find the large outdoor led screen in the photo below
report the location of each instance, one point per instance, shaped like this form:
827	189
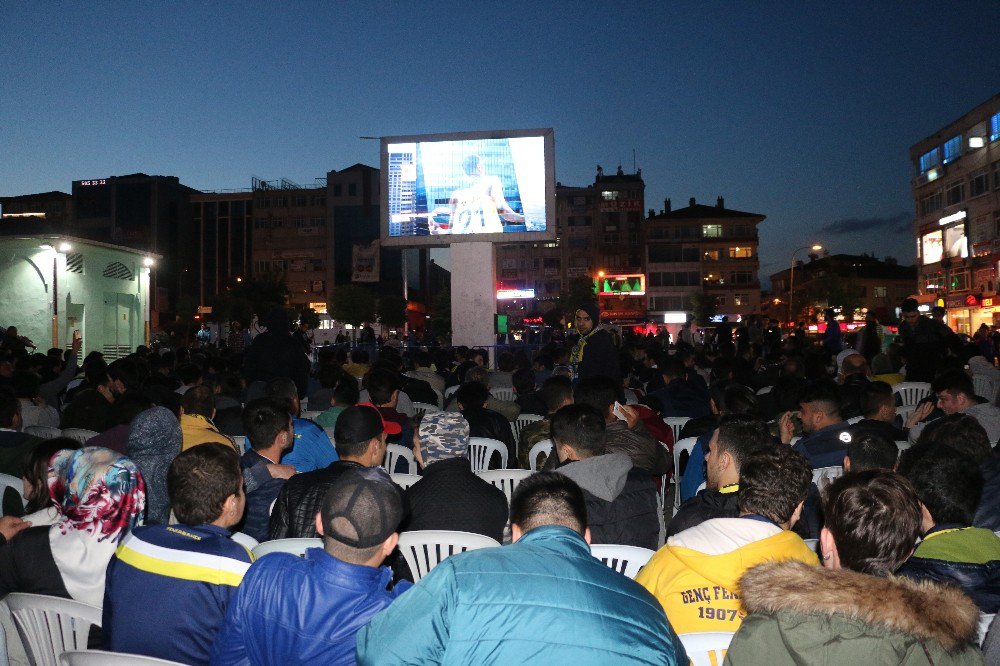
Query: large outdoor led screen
932	247
955	242
475	186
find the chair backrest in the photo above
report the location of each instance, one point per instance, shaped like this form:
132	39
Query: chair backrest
812	543
902	413
985	620
291	546
824	475
985	387
481	449
676	424
404	481
706	648
241	443
245	540
544	446
15	484
910	393
686	444
393	452
902	445
503	394
854	419
49	626
625	560
521	421
98	658
505	479
79	434
448	392
43	432
421	408
425	549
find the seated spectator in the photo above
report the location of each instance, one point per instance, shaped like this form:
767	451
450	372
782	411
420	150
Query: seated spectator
345	394
570	607
737	436
127	407
100	498
197	412
153	442
312	448
502	377
870	451
851	380
629	437
679	397
826	434
622	505
423	369
508	408
383	391
713	555
949	487
877	404
483	422
959	432
854	611
557	392
190	570
40	508
189	375
358	367
14	444
360	436
270	435
91	407
294	610
34	410
527	398
328	375
228	400
955	394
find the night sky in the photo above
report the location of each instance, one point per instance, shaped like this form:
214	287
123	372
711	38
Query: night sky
804	114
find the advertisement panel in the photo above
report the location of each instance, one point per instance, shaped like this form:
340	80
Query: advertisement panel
364	262
932	247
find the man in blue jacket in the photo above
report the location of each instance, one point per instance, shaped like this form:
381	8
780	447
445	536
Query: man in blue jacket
294	610
544	599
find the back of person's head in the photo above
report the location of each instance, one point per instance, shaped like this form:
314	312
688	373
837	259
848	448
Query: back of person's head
10	408
742	435
872	451
556	391
359	356
670	367
422	359
381	385
580	427
264	419
188	373
523	380
773	482
198	400
472	395
949	485
956	382
25	384
477	373
960	432
854	364
874	519
96	373
548	498
823	395
35	471
200	480
231	384
732	398
505	362
544	360
479	355
283	388
129	405
346	392
598	392
360	511
874	396
355	428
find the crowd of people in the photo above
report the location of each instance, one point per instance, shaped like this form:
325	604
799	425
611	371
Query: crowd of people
813	522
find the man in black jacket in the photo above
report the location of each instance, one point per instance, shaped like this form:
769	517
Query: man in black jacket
737	436
471	398
276	354
621	499
594	354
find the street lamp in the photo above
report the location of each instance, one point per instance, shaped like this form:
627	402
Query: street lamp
791	277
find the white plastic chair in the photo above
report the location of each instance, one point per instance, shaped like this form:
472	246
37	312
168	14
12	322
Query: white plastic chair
425	549
825	475
241	443
902	445
393	452
505	479
812	543
503	394
79	434
521	421
15	484
985	388
98	658
910	393
404	481
245	540
706	648
766	389
903	413
625	560
49	626
686	444
421	408
544	446
450	391
985	620
290	546
481	450
43	432
854	419
793	441
676	424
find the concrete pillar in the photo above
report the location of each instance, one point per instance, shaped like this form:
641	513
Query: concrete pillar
473	295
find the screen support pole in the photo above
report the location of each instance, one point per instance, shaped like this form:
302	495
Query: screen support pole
473	296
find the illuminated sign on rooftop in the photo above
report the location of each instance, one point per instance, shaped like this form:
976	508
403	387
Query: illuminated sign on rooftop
621	285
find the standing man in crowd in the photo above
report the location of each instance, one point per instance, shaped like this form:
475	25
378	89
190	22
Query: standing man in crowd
594	354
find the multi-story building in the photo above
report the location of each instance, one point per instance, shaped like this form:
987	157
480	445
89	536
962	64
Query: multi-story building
222	226
710	250
956	194
55	208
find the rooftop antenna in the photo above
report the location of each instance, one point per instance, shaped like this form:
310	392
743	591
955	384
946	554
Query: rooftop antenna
633	161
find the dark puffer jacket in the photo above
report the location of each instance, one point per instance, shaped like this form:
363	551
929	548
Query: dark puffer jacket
706	505
967	557
294	513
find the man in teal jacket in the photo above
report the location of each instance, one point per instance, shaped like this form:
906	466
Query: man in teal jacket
544	599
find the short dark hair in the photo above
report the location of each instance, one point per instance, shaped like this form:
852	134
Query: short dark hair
954	382
824	392
505	362
472	395
25	384
732	398
580	427
671	366
555	391
874	518
422	359
773	481
869	450
949	485
35	469
960	432
199	481
381	384
264	419
346	392
873	396
523	380
548	498
359	356
599	392
188	373
10	407
198	400
741	435
283	388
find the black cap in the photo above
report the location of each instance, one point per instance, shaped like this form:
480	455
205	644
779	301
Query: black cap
360	423
362	507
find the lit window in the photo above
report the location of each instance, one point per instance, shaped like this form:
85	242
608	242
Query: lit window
929	160
740	253
995	127
609	196
711	230
952	149
711	255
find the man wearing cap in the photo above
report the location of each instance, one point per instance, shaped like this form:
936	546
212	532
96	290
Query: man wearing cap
308	610
360	435
595	353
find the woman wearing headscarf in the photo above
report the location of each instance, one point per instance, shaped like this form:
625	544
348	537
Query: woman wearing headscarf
153	443
100	496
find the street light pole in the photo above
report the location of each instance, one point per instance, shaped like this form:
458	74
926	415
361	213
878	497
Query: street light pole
791	277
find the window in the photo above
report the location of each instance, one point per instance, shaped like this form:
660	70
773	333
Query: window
264	203
337	190
550	262
300	201
995	127
714	278
979	183
996	175
878	291
668	303
720	300
953	149
741	299
954	194
711	230
931	203
741	230
710	255
959	281
579	242
740	253
281	202
579	262
609	196
579	220
929	160
741	277
612	238
352	189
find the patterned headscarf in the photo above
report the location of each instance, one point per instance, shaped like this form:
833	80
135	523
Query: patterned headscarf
443	435
154	440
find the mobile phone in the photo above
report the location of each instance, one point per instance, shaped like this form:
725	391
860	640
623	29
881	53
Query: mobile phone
76	334
618	411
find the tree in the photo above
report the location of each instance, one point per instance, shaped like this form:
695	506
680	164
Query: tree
351	304
243	300
308	316
391	310
578	290
703	307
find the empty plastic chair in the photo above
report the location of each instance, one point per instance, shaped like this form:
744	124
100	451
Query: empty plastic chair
425	549
404	481
854	419
395	452
49	626
544	446
241	443
79	434
985	388
98	658
706	648
625	560
481	450
503	394
505	479
812	543
43	432
15	484
290	546
310	415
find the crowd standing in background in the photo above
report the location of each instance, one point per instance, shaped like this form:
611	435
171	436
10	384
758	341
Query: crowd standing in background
787	490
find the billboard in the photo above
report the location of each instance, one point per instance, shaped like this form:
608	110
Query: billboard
621	285
512	294
932	247
438	189
364	262
956	243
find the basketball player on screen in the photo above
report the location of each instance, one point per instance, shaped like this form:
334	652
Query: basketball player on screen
476	208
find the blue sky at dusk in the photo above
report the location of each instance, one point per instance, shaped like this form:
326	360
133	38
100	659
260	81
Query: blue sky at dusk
802	113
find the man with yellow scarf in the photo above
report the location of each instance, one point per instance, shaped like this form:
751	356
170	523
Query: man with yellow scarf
595	353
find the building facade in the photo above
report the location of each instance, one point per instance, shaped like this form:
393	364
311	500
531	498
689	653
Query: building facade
956	196
54	208
222	223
